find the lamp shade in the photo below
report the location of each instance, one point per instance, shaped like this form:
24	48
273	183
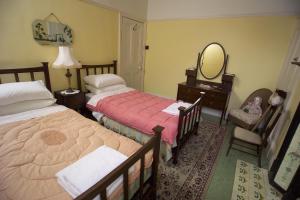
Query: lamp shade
65	59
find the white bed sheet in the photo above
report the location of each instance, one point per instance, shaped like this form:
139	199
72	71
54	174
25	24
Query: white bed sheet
31	114
97	97
97	115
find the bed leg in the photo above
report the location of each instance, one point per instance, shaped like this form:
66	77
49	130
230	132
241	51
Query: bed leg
154	194
158	130
196	128
175	155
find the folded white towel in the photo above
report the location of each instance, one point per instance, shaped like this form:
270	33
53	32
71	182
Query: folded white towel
173	108
87	171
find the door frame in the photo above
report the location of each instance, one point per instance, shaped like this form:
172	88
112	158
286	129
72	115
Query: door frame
121	16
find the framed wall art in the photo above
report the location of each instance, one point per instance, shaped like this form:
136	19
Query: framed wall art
52	33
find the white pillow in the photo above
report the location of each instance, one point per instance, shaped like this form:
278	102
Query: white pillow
105	89
103	80
92	89
25	106
22	91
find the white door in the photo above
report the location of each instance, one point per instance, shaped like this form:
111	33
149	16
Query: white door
132	53
288	81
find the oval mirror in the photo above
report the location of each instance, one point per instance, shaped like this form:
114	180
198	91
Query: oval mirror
212	60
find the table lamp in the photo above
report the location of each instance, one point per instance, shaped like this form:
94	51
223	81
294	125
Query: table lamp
66	60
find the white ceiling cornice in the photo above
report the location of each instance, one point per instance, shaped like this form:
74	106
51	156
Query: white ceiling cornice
194	9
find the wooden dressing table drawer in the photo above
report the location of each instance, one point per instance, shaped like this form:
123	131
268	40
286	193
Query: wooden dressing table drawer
187	94
215	98
214	104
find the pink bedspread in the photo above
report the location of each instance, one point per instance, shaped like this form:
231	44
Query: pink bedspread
140	111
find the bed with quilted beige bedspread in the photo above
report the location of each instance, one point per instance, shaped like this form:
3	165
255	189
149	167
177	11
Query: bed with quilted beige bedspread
33	151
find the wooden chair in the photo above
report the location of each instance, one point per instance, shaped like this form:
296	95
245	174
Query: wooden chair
258	140
265	94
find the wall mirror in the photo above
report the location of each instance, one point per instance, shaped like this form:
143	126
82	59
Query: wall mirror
212	60
52	33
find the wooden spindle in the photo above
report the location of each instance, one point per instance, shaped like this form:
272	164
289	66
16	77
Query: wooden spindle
192	119
194	116
32	76
17	77
142	177
125	185
115	66
103	195
184	121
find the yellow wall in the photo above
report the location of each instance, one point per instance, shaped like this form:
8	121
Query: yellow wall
95	33
257	47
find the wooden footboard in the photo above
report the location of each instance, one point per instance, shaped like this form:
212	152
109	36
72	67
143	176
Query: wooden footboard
145	187
189	119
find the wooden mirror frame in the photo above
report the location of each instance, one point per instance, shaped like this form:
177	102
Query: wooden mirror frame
199	66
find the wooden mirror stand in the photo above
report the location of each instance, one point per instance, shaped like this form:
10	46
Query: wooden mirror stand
217	94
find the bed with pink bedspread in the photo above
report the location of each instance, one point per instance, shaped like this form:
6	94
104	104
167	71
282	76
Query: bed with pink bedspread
142	111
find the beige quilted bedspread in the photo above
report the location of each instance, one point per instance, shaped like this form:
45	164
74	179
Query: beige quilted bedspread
33	151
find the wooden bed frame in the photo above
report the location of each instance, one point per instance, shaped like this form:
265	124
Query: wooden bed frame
31	70
146	187
188	118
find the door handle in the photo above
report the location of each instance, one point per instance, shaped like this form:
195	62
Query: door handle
296	62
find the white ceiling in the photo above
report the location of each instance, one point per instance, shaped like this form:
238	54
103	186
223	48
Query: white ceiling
186	9
132	8
190	9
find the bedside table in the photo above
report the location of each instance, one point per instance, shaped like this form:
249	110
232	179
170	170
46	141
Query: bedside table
73	101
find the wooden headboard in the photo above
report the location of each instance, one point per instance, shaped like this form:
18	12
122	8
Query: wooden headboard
31	70
104	68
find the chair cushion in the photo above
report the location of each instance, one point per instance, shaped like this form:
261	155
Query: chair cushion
247	136
245	117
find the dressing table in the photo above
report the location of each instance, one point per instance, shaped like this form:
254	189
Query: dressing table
211	63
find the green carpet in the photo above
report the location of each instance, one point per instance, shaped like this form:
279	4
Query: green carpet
221	183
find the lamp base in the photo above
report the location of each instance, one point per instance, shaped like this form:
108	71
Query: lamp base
69	90
69	75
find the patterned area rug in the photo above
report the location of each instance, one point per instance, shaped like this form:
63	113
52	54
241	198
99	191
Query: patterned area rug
251	183
189	178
